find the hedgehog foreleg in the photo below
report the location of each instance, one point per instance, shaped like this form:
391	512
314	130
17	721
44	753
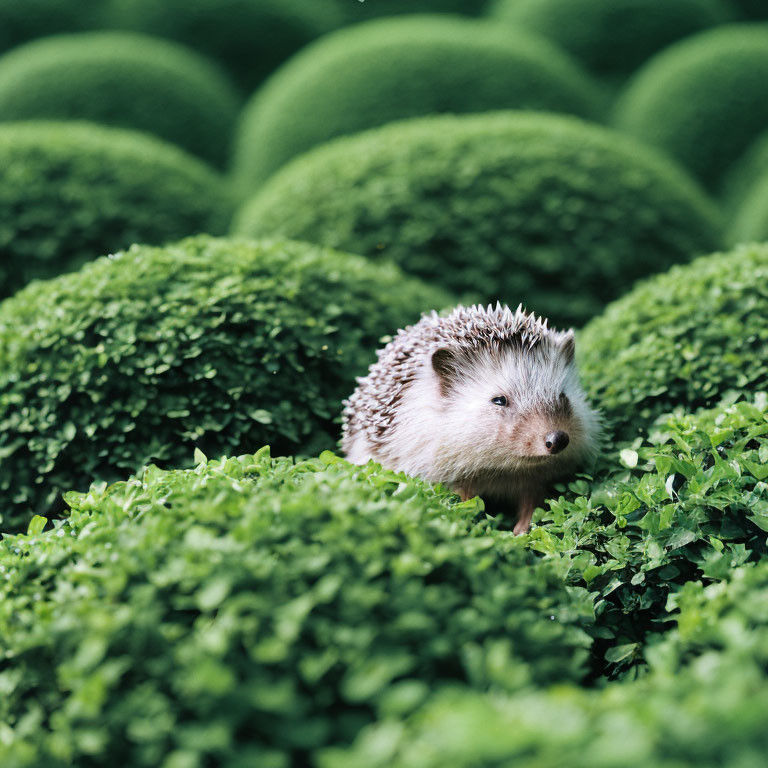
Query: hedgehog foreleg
525	509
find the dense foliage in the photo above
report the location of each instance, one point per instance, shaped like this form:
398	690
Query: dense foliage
208	343
547	210
248	612
433	64
249	37
703	100
70	192
126	80
690	502
612	37
685	338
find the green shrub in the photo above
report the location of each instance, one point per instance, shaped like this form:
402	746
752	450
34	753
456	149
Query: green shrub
703	100
248	612
211	343
703	704
709	716
122	79
249	37
23	20
691	503
685	338
546	210
70	192
434	64
745	195
612	37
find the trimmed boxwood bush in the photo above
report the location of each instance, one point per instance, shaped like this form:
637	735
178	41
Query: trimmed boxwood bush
70	192
708	715
704	703
211	343
249	612
559	214
338	85
690	503
248	37
703	100
685	338
612	37
126	80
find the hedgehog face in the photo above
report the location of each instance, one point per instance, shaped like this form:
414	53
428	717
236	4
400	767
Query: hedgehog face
514	409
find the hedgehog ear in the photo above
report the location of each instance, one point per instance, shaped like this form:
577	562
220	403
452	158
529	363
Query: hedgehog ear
444	365
568	347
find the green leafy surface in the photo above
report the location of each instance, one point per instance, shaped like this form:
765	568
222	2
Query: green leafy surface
126	80
70	192
687	338
515	206
250	611
434	64
210	343
702	100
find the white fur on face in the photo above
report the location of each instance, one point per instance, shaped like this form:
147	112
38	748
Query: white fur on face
461	437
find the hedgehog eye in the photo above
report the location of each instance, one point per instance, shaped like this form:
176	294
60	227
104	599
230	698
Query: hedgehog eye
500	400
563	397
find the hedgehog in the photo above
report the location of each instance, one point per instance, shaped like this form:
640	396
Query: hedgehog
485	400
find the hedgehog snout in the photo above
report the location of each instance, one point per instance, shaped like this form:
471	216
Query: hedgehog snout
555	442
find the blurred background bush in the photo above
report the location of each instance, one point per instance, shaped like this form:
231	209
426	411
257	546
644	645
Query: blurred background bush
590	159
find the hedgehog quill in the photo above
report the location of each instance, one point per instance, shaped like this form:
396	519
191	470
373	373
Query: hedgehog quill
485	400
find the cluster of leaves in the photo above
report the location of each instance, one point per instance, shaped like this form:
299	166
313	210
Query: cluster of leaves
251	611
512	206
613	38
126	80
70	192
703	100
710	714
212	343
692	503
436	64
248	37
690	338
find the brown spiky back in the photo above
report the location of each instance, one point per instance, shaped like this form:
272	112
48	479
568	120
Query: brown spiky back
372	408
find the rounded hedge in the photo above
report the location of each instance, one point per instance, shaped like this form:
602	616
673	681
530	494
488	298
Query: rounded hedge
249	613
210	343
559	214
126	80
70	192
434	64
703	100
248	37
683	504
612	37
685	338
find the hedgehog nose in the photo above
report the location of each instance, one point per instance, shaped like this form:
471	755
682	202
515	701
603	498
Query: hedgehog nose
556	441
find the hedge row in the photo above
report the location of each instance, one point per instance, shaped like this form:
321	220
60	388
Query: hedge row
557	213
689	337
126	80
703	100
210	343
434	64
251	612
612	37
70	192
